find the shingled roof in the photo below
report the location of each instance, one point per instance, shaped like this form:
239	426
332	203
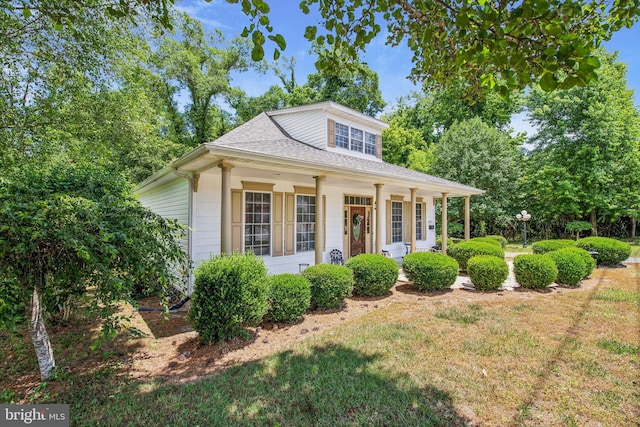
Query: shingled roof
264	137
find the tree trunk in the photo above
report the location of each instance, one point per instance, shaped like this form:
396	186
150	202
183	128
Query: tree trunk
633	228
40	340
594	223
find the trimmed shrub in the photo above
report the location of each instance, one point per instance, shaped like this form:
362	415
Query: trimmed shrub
486	240
487	272
330	285
373	274
503	242
611	252
430	271
534	271
463	251
589	262
230	293
544	246
571	266
289	297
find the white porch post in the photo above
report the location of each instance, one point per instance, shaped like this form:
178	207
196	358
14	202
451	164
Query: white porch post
413	219
379	219
225	208
444	223
319	218
467	218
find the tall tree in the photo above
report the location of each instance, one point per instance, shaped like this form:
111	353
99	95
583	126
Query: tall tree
473	153
585	162
201	63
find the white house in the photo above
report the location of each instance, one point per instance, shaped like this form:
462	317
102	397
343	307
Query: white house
294	184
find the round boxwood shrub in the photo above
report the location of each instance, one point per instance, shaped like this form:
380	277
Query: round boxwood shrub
486	240
487	272
544	246
330	285
503	242
610	252
571	266
373	274
463	251
289	297
589	262
430	271
230	293
534	271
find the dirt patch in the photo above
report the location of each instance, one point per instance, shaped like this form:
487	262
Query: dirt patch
174	353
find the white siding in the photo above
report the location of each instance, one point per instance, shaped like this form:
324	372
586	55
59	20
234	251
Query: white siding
309	127
170	200
206	224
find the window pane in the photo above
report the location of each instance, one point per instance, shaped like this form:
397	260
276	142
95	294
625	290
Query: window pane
257	229
369	143
396	222
305	223
342	136
419	221
356	140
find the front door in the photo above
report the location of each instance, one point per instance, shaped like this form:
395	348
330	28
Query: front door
357	230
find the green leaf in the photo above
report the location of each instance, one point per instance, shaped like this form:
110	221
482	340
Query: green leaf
257	53
26	12
276	54
279	40
548	82
310	32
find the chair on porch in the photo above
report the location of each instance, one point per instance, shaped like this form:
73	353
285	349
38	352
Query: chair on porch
386	253
336	257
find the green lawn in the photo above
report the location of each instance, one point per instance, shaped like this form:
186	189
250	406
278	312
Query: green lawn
567	357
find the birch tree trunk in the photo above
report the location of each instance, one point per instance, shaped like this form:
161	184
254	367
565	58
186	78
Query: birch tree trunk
40	339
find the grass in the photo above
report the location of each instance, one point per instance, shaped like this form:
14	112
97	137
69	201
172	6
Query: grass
568	357
517	247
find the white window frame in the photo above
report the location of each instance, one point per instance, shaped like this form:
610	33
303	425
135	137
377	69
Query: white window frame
369	143
305	229
342	136
396	222
355	139
419	219
246	224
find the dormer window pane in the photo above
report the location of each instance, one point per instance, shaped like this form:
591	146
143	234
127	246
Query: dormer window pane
356	140
369	143
342	136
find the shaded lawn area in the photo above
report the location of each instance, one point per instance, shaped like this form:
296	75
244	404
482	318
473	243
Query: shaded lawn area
568	357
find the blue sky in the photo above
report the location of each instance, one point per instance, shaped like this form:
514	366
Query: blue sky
392	64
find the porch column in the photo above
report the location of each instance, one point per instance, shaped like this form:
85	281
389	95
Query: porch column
467	218
413	219
319	218
225	208
379	220
444	223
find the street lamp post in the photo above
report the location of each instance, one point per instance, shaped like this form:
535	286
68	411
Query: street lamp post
524	216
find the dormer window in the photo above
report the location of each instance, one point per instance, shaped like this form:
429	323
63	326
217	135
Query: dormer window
355	139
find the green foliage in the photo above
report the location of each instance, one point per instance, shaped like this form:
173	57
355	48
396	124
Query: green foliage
618	295
463	251
439	241
487	272
477	154
589	262
544	246
374	275
534	271
586	164
610	252
65	228
486	240
430	271
330	285
578	226
617	347
289	297
571	266
230	293
503	242
505	45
